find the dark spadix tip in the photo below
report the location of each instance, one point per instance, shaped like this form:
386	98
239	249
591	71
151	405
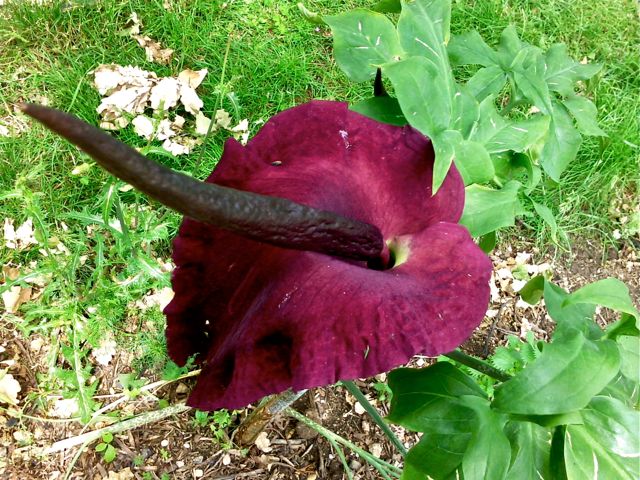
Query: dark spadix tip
273	220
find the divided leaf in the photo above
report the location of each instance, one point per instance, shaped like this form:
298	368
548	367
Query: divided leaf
486	210
363	41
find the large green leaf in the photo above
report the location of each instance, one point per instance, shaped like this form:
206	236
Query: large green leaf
610	293
423	28
564	378
471	49
623	389
585	113
607	445
630	353
499	134
422	93
488	452
562	72
465	112
414	392
382	109
363	41
473	162
486	210
440	450
529	450
562	143
487	81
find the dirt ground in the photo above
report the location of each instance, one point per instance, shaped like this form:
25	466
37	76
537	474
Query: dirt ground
178	448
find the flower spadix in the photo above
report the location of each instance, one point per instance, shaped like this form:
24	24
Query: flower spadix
263	315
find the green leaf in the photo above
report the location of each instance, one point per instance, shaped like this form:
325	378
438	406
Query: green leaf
550	421
533	290
585	113
362	42
415	390
562	143
487	81
534	172
607	445
562	72
529	451
509	47
422	94
473	162
499	134
531	83
382	109
107	437
444	146
471	49
556	455
423	28
308	15
486	210
547	215
439	452
564	378
610	293
630	353
623	389
571	318
387	6
488	242
100	447
626	325
409	472
110	454
465	112
488	452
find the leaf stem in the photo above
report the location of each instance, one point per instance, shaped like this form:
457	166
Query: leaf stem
385	468
479	365
353	389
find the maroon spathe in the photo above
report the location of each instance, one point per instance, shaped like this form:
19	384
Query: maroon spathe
264	319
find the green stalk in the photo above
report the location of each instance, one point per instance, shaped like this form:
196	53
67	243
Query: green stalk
375	415
478	365
385	468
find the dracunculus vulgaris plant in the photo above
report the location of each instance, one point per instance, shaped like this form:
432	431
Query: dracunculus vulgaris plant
315	253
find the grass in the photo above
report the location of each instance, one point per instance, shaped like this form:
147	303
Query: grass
275	60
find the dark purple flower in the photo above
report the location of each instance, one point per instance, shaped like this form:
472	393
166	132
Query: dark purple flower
263	318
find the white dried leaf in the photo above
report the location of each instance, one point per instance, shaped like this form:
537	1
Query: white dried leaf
192	78
202	124
125	474
175	148
518	284
143	126
105	352
19	238
165	94
133	25
9	388
223	118
190	99
64	408
178	122
159	298
263	443
359	408
4	131
376	450
164	130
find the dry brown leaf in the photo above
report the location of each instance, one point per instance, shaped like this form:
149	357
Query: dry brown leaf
14	297
153	50
192	78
